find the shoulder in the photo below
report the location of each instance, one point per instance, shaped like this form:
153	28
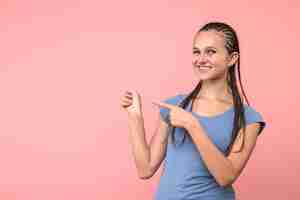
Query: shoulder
251	112
253	116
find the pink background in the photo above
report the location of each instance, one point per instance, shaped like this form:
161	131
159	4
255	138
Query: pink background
65	64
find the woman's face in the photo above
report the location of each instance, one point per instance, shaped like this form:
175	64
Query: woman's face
210	57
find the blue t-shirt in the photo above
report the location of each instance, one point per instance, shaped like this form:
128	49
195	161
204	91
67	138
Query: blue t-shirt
185	175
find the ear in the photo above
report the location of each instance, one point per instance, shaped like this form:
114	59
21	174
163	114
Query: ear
233	58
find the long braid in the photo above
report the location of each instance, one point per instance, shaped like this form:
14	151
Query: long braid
231	44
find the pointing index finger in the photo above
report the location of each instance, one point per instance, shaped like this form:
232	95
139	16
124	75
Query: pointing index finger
164	105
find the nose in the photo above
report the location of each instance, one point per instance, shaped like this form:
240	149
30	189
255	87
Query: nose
201	59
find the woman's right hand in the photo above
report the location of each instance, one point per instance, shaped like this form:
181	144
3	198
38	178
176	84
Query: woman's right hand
131	102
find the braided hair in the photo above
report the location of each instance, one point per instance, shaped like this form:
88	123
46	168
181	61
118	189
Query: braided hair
231	45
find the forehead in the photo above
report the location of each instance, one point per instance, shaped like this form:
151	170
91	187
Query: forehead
209	38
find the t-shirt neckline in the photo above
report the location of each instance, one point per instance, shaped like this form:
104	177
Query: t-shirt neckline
206	116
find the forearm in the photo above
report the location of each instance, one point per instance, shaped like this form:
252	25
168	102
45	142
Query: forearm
140	149
218	165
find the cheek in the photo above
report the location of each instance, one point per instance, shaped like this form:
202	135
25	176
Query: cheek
218	61
194	59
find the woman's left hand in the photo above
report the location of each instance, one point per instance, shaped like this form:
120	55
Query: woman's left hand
178	117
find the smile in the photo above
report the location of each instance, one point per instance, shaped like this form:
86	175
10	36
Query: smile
204	68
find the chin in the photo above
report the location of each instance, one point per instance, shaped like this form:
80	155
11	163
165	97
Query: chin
205	77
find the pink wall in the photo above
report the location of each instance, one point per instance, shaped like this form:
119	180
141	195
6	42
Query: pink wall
64	65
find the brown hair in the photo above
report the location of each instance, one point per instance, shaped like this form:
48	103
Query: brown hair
231	45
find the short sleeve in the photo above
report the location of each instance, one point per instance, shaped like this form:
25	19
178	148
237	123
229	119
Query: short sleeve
174	100
252	116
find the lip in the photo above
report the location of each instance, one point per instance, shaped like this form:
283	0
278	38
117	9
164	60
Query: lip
204	67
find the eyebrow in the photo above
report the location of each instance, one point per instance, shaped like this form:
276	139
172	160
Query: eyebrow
207	47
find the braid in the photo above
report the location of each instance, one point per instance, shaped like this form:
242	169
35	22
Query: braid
231	45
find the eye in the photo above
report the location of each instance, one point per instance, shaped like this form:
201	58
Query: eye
196	52
211	51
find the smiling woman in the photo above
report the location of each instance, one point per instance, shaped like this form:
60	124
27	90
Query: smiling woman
206	136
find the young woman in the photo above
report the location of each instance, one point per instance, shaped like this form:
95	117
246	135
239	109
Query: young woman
207	136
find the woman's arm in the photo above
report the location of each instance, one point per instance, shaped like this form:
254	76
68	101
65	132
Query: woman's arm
224	169
147	158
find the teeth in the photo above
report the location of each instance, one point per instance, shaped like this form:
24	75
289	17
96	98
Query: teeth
205	67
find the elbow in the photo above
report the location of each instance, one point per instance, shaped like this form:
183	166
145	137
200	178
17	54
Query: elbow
229	178
145	175
225	183
228	181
